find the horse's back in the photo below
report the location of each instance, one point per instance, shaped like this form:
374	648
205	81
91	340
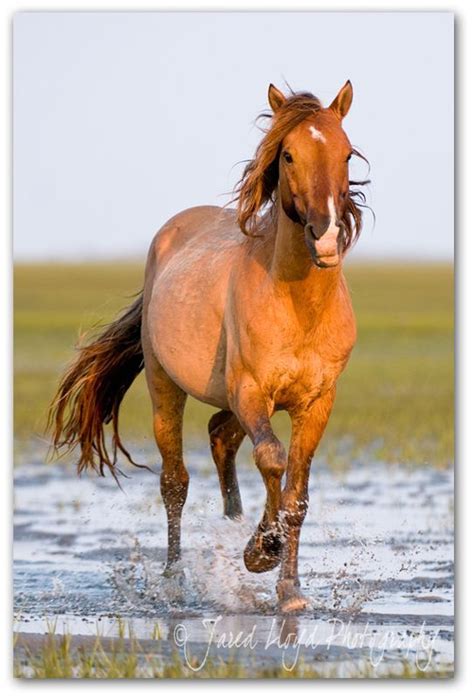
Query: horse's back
208	229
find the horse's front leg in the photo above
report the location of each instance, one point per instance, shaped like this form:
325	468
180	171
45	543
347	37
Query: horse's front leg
307	428
263	550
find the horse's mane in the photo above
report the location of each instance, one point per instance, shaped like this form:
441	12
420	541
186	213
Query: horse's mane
259	181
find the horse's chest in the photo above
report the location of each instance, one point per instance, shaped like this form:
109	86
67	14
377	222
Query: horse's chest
302	376
296	359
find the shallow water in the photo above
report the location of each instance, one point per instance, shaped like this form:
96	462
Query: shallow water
376	562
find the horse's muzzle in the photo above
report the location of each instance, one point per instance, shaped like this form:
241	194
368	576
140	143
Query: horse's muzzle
325	249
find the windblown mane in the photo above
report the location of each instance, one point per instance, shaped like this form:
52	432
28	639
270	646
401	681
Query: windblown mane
257	186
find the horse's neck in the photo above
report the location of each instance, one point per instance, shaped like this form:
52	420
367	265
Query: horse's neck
293	270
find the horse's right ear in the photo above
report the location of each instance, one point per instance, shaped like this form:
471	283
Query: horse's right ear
275	97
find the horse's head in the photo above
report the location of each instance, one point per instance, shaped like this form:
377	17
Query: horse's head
304	156
313	175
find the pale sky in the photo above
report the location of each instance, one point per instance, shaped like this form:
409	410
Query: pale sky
123	119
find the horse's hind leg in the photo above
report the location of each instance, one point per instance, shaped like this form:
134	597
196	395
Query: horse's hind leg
168	406
226	435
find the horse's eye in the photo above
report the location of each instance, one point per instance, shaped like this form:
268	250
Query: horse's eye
287	156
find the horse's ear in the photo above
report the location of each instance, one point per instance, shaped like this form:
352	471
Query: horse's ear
342	103
275	97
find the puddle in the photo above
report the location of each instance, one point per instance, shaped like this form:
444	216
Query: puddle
376	561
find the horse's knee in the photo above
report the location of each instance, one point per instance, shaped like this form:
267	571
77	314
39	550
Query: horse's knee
270	457
225	434
216	421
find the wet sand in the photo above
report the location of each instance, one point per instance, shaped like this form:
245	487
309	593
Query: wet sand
376	562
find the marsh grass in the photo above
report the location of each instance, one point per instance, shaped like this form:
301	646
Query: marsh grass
395	400
61	656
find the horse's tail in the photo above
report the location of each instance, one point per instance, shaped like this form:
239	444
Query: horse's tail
91	390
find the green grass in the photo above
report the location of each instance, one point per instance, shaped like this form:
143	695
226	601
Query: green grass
395	400
125	657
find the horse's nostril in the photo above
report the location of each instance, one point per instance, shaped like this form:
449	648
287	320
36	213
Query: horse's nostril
311	231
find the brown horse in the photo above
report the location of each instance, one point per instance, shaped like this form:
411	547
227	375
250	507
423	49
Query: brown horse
248	323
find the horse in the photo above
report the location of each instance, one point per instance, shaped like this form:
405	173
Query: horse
247	310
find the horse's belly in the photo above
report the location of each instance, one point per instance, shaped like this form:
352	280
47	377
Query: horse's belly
185	326
200	376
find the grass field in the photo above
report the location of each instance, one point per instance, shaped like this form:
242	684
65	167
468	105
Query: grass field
395	400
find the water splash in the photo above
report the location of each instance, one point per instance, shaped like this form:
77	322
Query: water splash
211	576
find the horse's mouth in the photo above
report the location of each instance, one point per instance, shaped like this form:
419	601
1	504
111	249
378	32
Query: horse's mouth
324	261
327	261
329	253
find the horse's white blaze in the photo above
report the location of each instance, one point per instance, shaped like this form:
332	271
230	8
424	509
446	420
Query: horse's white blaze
332	212
317	135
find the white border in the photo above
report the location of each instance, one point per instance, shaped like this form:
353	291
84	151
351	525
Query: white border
465	349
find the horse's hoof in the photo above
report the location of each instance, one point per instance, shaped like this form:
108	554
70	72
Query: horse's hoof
290	598
297	604
263	551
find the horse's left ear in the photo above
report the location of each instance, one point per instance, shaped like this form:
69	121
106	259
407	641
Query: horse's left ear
275	97
342	103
